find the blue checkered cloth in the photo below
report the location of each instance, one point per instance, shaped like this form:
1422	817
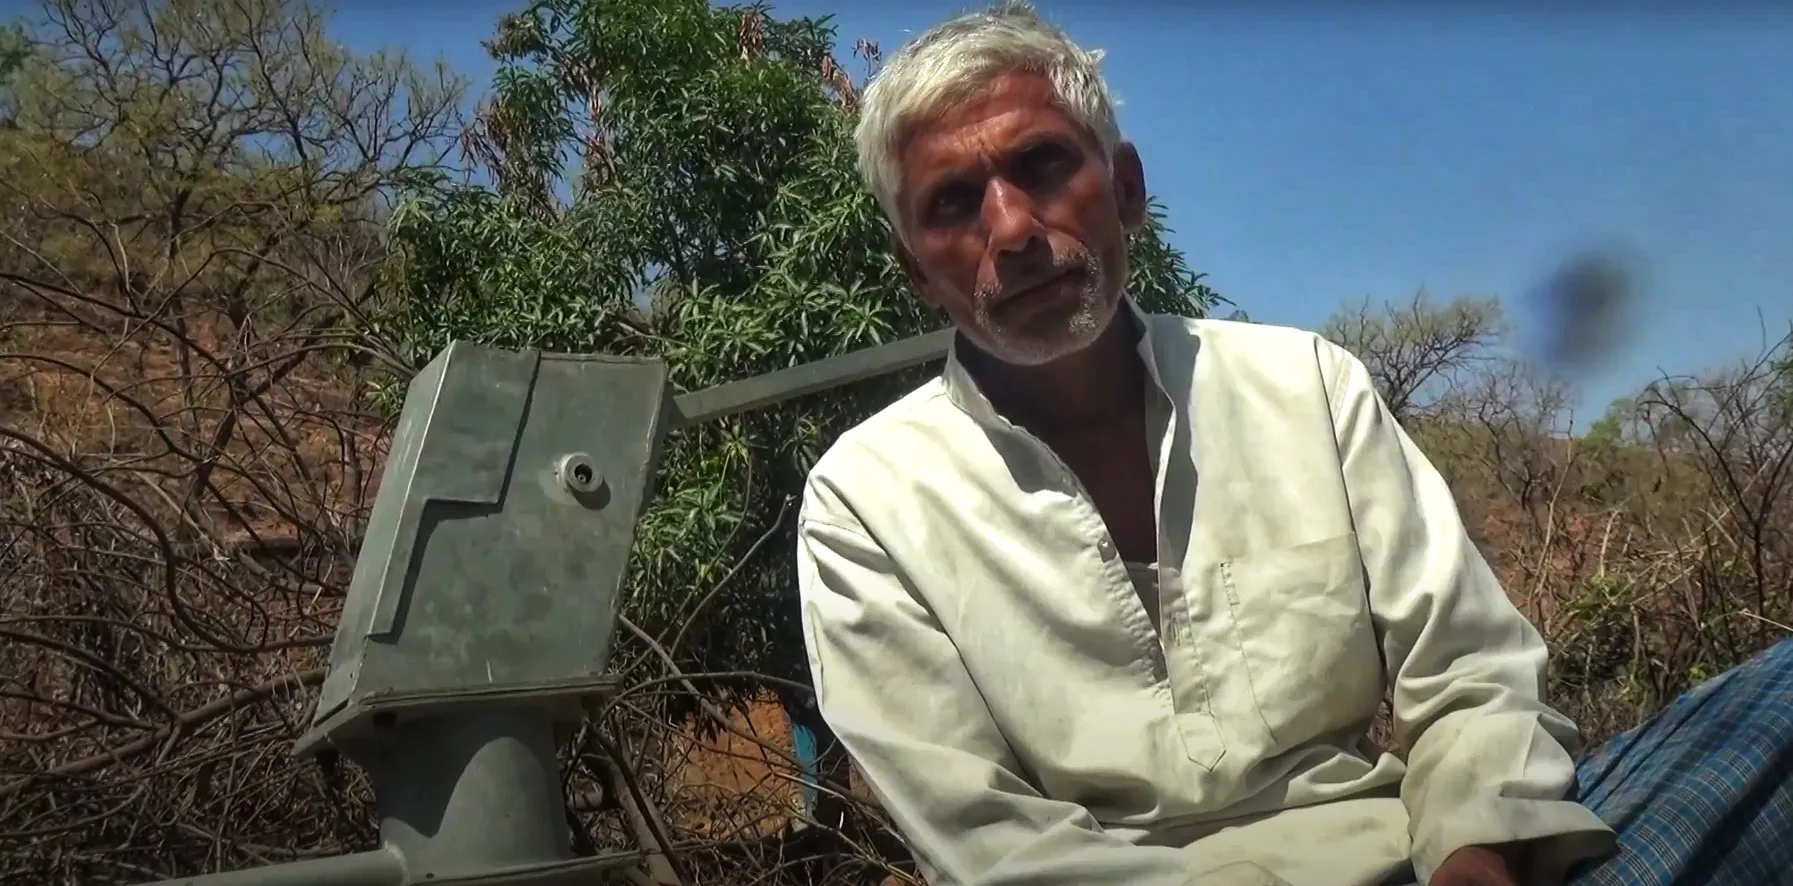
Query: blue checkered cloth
1702	794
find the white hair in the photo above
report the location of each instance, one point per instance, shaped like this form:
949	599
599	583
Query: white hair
956	59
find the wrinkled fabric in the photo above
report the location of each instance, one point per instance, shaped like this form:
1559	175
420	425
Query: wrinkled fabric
978	646
1702	794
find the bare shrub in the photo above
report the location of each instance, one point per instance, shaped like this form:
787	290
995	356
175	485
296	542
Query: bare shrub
192	200
1653	549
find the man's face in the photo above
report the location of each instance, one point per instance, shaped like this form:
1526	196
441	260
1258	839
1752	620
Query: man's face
1016	227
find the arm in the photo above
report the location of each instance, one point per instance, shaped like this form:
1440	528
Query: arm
1488	762
890	684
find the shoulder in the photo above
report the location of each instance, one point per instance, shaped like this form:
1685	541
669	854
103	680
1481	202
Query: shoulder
1243	357
1241	340
868	460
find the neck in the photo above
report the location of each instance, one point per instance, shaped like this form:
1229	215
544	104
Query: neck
1097	387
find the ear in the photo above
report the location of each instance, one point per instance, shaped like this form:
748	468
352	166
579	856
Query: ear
918	280
1129	187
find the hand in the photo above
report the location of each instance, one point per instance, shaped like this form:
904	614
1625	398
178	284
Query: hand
1475	866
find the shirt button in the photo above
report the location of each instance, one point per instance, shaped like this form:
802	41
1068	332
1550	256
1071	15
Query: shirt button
1105	547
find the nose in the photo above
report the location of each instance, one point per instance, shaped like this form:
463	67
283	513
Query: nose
1011	218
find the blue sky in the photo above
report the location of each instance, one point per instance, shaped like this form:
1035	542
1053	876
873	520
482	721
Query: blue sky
1309	157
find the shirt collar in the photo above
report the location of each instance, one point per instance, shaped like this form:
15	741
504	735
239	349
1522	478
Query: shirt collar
962	389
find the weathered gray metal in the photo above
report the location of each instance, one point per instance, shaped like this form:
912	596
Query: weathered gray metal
788	384
381	867
496	547
484	598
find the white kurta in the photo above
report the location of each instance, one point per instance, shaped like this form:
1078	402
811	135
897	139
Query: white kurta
979	647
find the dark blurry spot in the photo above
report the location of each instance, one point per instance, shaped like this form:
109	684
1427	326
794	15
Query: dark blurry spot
1586	311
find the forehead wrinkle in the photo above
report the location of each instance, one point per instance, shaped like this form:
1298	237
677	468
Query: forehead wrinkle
1034	111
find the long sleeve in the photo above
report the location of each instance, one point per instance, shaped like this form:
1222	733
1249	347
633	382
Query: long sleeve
892	686
1488	761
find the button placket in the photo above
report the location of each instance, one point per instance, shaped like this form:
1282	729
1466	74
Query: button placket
1191	696
1186	694
1105	546
1125	595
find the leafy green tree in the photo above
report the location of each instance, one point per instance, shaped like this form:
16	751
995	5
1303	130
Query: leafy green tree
674	179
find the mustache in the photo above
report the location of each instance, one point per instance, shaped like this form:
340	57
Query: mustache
998	290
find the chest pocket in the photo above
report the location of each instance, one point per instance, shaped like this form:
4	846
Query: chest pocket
1309	643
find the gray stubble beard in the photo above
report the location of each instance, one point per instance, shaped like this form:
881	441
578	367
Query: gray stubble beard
1093	315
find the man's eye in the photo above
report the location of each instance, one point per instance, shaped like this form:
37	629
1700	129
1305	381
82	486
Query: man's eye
953	200
1046	164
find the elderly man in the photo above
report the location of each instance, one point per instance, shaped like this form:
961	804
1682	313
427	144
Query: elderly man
1116	598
